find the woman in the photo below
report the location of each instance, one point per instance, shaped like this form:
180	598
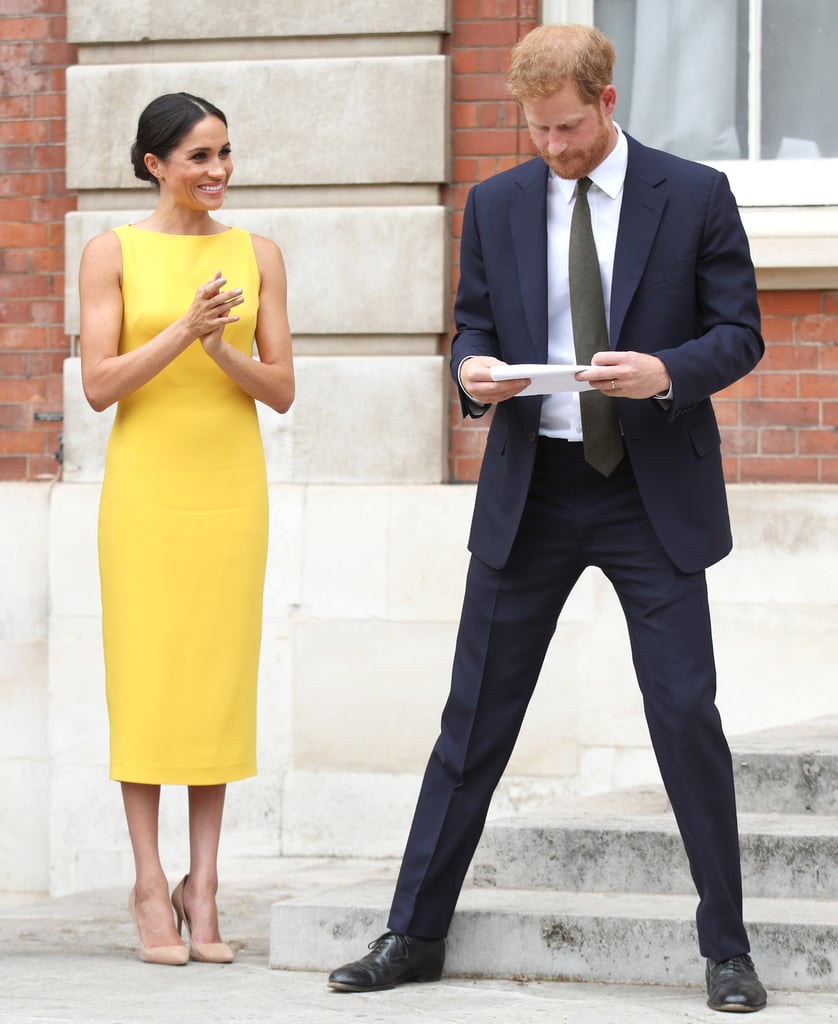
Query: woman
170	308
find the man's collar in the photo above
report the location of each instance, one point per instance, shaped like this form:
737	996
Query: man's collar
608	176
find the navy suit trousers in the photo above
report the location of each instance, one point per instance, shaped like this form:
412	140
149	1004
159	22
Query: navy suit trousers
575	518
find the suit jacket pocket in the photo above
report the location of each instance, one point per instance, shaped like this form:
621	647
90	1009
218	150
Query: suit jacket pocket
705	437
659	275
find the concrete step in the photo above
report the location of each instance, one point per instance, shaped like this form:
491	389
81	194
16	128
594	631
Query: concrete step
628	842
602	937
793	769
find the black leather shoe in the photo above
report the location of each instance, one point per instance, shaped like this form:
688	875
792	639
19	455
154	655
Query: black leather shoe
393	959
733	985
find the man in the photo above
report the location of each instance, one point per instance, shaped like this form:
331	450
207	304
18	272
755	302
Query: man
566	484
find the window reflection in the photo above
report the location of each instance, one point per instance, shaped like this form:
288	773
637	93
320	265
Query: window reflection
682	76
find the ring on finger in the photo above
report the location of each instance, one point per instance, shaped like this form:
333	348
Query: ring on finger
613	385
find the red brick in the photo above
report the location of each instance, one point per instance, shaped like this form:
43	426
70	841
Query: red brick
819	442
778	385
817	328
727	412
23	81
13	364
43	467
464	115
15	55
819	385
830	303
47	260
23	338
48	156
495	141
15	107
789	357
27	184
52	208
465	10
15	390
50	105
21	236
465	62
828	471
778	441
47	364
12	312
778	328
15	158
25	28
779	414
14	210
736	441
15	261
12	468
12	7
466	470
791	303
829	414
792	469
22	286
21	442
480	87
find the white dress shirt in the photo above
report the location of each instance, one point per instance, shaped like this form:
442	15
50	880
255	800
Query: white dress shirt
560	413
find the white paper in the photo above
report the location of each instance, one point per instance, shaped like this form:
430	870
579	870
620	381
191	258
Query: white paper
547	378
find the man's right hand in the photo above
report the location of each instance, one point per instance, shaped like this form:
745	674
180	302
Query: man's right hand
478	384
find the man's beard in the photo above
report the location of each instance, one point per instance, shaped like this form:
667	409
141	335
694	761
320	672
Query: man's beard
574	164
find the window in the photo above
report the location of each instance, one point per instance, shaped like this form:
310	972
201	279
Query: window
746	85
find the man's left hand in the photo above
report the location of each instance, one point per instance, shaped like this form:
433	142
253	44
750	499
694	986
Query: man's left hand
627	374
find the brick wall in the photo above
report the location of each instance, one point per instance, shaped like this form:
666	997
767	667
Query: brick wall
779	424
33	200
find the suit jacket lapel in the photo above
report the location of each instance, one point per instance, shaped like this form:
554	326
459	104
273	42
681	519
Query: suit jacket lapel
528	227
640	214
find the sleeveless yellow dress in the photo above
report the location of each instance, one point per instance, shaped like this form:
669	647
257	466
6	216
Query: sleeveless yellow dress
183	529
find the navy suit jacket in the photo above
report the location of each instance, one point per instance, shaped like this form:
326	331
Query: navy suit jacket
683	289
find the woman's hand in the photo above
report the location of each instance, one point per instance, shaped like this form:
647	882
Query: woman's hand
210	312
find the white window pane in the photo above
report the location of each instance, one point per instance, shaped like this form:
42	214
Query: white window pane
681	73
799	79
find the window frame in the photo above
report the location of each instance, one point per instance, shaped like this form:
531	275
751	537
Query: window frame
793	229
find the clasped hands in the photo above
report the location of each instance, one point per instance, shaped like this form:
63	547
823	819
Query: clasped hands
617	374
210	311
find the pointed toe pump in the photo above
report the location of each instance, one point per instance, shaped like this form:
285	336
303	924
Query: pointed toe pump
168	956
202	952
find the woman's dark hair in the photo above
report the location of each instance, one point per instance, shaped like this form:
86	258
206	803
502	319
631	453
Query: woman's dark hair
162	125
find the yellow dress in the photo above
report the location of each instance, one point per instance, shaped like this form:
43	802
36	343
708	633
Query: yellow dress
183	528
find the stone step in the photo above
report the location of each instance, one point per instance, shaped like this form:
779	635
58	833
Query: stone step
791	770
628	842
601	937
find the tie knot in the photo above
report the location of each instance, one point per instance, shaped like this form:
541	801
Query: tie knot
582	186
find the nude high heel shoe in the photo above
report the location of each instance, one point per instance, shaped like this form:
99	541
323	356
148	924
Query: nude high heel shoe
203	952
168	956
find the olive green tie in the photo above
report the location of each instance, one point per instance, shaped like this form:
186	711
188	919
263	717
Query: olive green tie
601	437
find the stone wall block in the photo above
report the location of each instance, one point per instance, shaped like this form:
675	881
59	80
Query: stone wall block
102	21
325	121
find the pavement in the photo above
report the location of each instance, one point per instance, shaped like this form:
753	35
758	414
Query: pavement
73	960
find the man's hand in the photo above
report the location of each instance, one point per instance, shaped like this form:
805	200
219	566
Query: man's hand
627	374
475	378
